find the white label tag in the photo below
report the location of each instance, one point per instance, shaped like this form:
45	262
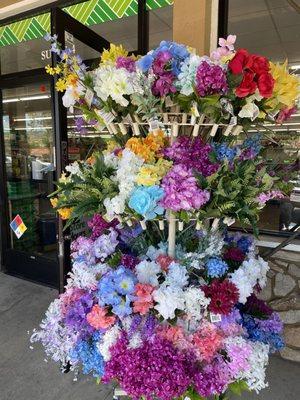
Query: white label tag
194	110
169	102
89	95
214	318
153	125
107	117
233	121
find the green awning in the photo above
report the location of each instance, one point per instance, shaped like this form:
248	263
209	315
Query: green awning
89	13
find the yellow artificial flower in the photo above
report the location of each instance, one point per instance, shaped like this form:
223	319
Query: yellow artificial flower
57	69
137	146
110	56
91	160
111	146
63	178
152	174
286	87
54	202
155	141
61	85
50	70
227	58
71	79
65	213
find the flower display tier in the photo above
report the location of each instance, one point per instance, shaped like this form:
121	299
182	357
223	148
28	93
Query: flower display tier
162	298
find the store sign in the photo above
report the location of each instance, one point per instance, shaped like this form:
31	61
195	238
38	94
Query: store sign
45	55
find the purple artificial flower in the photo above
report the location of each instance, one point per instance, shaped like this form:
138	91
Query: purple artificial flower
193	153
160	63
210	79
256	307
155	370
127	63
80	125
272	324
181	190
164	85
98	225
129	261
82	247
106	244
76	315
262	198
213	379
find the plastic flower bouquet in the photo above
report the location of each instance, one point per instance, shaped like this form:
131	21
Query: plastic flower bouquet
161	298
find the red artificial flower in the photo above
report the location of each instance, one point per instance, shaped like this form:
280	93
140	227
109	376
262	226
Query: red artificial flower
240	62
223	296
260	64
234	254
247	86
265	84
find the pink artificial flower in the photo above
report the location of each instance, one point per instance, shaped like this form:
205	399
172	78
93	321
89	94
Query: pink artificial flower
70	296
144	299
172	333
285	114
262	198
164	261
207	341
229	42
220	52
99	319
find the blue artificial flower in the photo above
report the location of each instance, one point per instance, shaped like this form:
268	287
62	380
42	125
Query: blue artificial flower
216	267
244	243
145	62
86	352
253	143
144	200
125	283
123	309
107	292
224	152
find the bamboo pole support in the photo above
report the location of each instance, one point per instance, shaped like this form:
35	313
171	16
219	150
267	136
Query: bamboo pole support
172	235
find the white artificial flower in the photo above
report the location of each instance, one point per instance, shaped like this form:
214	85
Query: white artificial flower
135	341
252	271
187	75
111	160
85	276
74	169
71	95
113	82
168	299
177	275
255	377
107	340
195	303
154	252
249	110
147	272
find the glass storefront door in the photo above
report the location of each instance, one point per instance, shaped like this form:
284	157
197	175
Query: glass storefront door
29	158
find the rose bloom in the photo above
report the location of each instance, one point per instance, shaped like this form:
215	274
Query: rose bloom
260	64
99	319
240	61
265	84
247	86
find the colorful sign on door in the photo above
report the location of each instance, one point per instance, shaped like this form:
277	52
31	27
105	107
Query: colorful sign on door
18	226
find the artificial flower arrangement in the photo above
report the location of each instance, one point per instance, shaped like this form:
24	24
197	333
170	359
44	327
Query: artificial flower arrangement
168	315
144	178
230	89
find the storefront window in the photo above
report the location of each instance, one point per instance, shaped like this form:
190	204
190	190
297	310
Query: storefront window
160	25
272	28
29	159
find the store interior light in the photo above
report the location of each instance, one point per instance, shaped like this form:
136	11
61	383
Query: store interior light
32	119
295	67
26	98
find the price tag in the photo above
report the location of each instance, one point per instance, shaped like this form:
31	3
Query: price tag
153	125
18	226
214	318
89	95
107	117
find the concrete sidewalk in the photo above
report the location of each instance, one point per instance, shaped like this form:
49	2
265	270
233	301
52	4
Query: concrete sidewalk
24	375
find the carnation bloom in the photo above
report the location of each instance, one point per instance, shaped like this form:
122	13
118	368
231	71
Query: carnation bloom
164	261
207	341
143	300
223	296
181	190
99	319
